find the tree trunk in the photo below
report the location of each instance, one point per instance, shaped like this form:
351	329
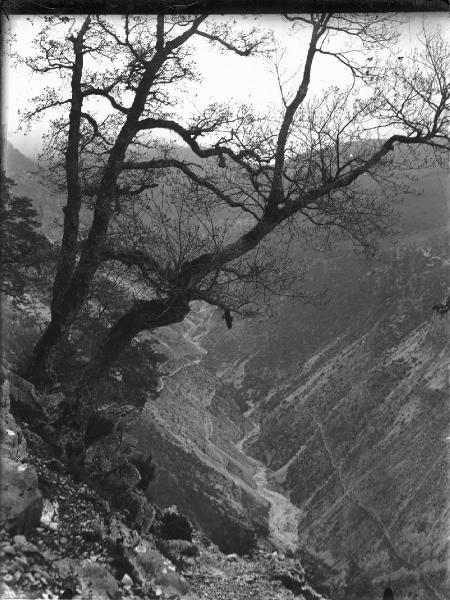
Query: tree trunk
145	315
40	372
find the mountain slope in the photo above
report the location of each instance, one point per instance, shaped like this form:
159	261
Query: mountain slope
346	404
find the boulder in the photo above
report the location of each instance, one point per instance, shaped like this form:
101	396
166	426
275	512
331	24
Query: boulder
94	580
24	400
35	443
111	458
12	442
172	583
26	406
21	500
108	455
140	511
124	477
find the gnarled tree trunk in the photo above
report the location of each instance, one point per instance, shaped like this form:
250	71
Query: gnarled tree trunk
145	315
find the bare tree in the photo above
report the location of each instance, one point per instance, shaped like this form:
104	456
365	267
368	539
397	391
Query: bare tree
132	66
302	172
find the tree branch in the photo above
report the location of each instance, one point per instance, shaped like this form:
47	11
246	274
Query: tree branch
181	166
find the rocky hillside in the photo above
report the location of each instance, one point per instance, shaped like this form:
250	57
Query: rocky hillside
320	432
352	404
63	535
346	404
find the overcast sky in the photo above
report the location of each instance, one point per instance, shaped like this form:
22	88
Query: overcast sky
224	76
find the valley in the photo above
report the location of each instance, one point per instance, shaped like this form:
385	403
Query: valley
323	428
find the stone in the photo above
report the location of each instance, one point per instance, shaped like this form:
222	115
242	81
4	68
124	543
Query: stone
22	545
126	580
118	532
36	444
142	565
24	400
21	505
97	579
19	539
21	500
141	512
232	557
172	583
12	442
123	477
49	512
94	579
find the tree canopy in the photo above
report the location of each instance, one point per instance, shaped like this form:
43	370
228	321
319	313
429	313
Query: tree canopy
208	206
24	251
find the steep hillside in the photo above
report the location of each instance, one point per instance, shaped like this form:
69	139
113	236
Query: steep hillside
324	428
191	429
352	403
361	446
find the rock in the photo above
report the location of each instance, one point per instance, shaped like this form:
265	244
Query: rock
118	532
51	404
172	583
144	565
23	545
124	477
21	500
25	404
94	579
37	445
6	592
12	442
98	581
139	509
111	457
19	540
291	580
21	505
146	469
106	461
232	557
50	511
127	581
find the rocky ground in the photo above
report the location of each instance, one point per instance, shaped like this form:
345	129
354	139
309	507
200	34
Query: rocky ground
83	549
62	536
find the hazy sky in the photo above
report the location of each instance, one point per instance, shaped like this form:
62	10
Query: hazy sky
224	76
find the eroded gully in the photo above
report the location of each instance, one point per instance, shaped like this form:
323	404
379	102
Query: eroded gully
283	515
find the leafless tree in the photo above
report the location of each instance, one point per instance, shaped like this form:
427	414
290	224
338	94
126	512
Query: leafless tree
167	216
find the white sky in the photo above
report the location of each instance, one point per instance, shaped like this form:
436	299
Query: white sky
224	76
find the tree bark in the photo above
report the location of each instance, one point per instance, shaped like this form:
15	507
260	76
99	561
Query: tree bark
145	315
72	285
40	372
